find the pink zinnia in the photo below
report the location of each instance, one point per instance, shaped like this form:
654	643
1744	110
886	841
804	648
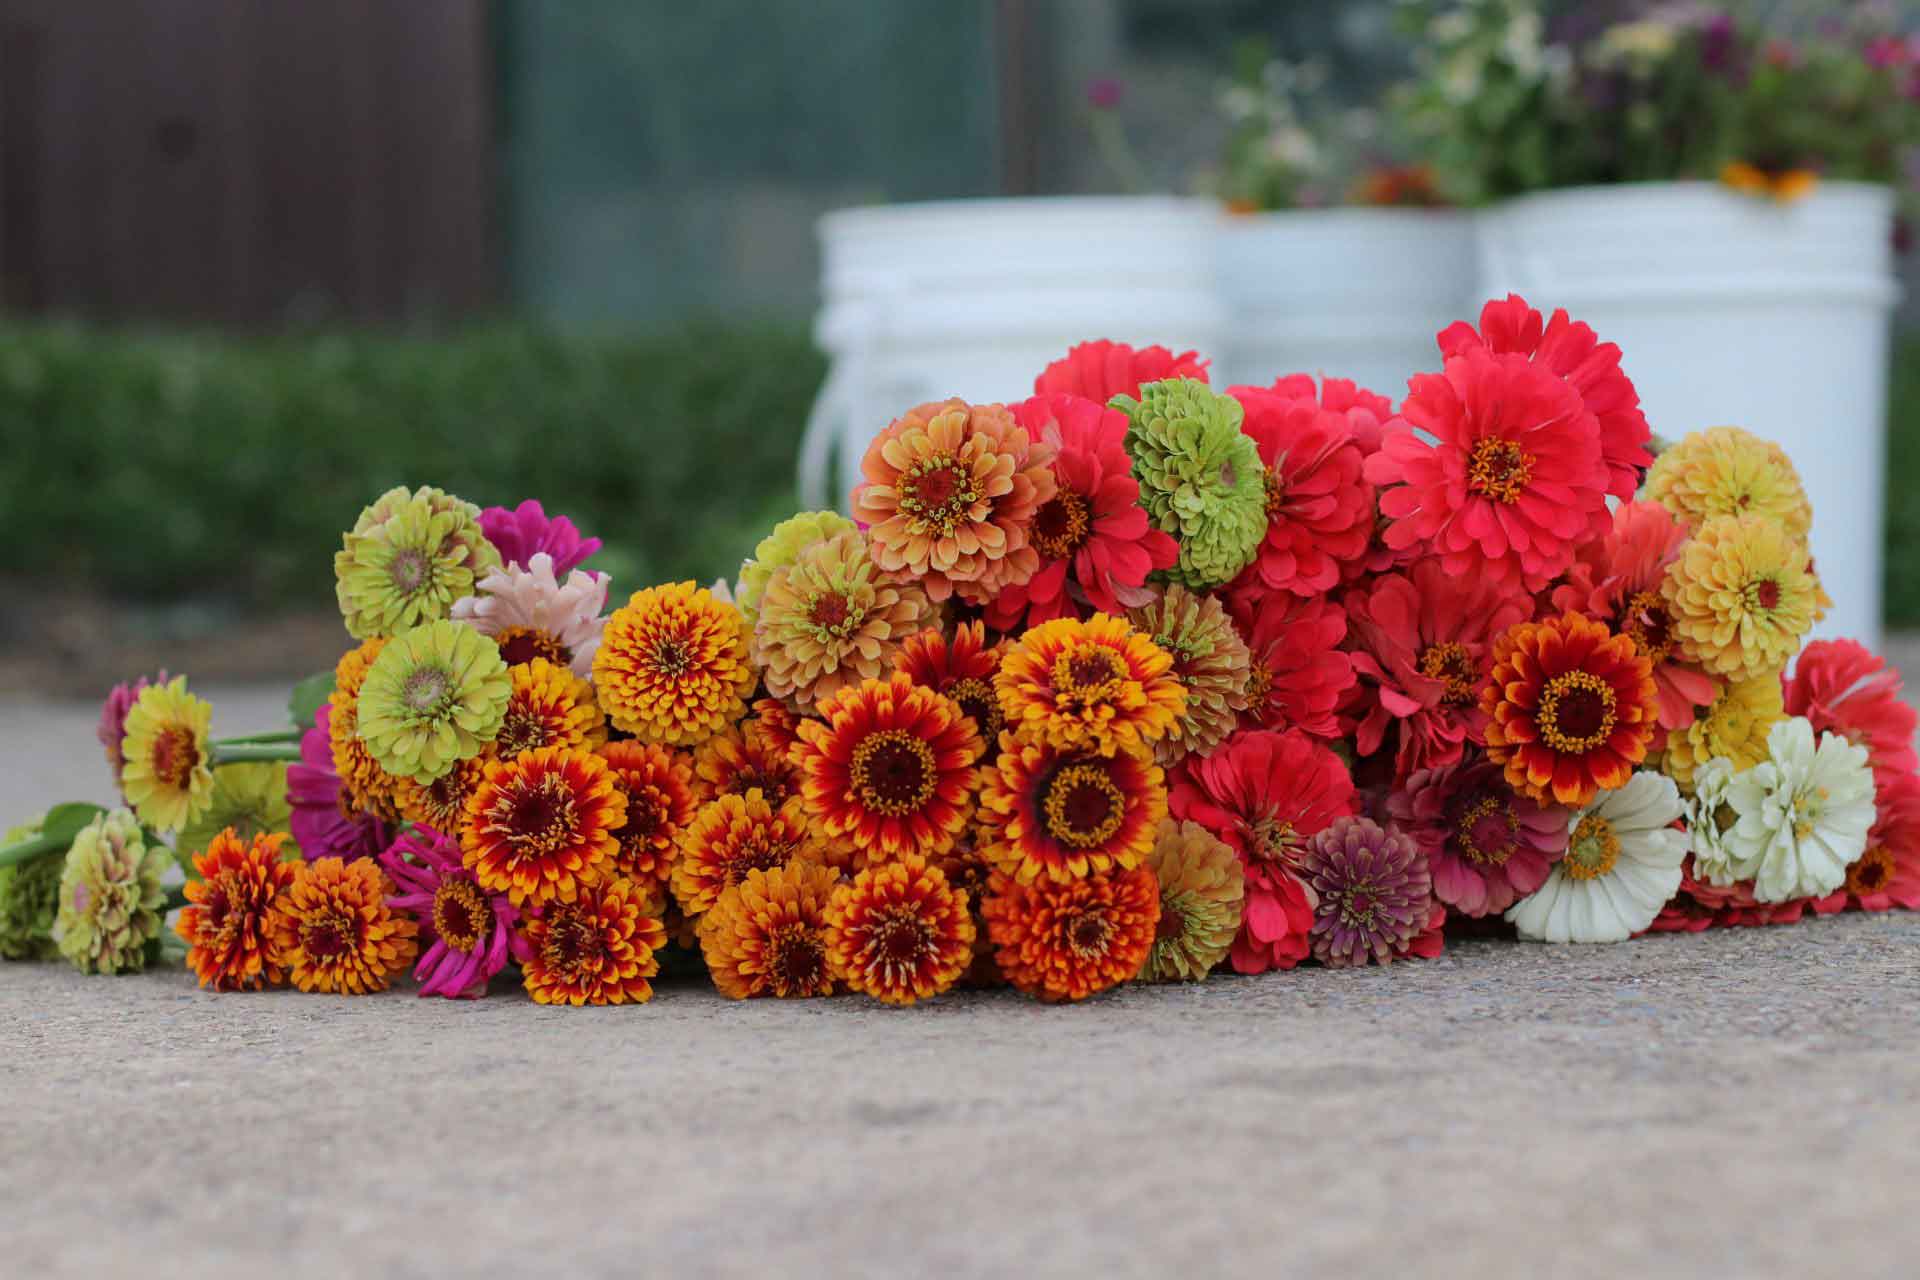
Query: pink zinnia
1099	371
1095	542
519	534
1512	481
1372	890
1887	874
1422	644
1616	580
1298	674
1367	413
1845	688
1266	794
1319	506
321	825
113	719
1486	847
1570	350
469	934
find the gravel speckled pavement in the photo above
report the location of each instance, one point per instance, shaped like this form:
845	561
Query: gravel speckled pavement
1742	1103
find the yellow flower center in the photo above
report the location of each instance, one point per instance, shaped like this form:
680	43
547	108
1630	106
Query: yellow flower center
1276	487
938	493
1499	470
1061	526
893	772
461	914
1576	712
1083	806
1275	840
1486	831
1259	685
1593	850
1450	662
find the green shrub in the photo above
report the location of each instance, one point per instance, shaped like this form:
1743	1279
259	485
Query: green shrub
1902	572
195	464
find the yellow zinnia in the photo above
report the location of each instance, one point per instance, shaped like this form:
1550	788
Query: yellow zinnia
1735	726
168	776
1725	471
1742	596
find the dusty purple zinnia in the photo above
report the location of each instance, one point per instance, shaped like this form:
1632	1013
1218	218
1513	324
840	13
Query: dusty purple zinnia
1374	892
526	530
321	824
113	719
468	933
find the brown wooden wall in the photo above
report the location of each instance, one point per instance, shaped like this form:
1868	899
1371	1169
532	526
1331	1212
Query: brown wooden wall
246	162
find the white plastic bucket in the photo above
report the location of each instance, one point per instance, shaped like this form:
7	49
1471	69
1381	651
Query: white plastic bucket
1355	293
974	297
1730	309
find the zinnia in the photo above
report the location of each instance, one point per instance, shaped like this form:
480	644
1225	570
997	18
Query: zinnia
961	668
1733	728
1210	661
1622	866
113	719
1887	874
672	665
1067	940
658	785
767	935
226	923
1048	812
1725	471
1098	684
1319	506
600	948
523	533
111	901
1803	816
830	620
899	932
780	548
468	934
334	929
950	492
542	824
1571	708
531	614
1485	846
167	778
1202	892
1201	478
1511	481
1742	595
1095	543
1298	674
732	836
408	557
1842	687
322	823
1372	893
1099	371
435	696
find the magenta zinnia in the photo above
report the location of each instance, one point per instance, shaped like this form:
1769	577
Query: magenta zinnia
1373	894
469	933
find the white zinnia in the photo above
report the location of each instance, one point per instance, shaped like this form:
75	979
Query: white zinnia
1622	865
532	598
1804	813
1709	817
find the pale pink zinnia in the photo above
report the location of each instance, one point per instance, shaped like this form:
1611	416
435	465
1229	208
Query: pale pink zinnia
1486	847
534	615
467	933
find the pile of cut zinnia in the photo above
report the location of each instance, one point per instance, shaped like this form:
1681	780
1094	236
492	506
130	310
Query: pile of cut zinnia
1136	680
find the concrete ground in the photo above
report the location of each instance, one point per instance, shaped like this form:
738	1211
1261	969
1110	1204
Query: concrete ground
1741	1103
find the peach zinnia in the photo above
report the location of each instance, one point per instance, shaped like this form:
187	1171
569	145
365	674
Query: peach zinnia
229	904
658	785
899	932
672	665
950	492
1048	813
334	930
767	935
1069	940
1098	684
600	948
541	824
733	836
1571	707
889	768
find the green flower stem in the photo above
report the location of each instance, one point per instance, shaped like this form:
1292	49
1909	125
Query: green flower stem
176	899
253	752
32	847
246	739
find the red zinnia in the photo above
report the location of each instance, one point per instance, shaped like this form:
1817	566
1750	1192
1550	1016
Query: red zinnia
1700	905
1366	413
1845	688
961	668
1099	371
1422	642
1298	675
1319	506
1095	542
1888	873
543	824
1570	350
1617	579
1267	794
1512	480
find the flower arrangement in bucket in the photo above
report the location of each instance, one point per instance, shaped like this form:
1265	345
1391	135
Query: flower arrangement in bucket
1138	679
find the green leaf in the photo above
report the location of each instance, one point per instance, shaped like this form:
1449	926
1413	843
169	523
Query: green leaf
304	702
65	821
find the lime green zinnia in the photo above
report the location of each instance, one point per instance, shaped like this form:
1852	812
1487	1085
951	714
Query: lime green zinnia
110	896
1200	476
407	559
1211	662
781	548
29	900
435	696
250	798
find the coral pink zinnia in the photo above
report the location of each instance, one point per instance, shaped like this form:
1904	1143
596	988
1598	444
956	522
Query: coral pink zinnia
1844	688
1095	542
1319	506
1366	413
1570	350
1099	371
1617	578
951	490
1422	642
1298	675
1266	794
1512	480
1486	847
1887	874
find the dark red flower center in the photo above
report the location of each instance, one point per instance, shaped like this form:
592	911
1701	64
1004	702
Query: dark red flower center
573	947
1088	933
1173	921
671	656
976	698
1062	525
1450	663
1083	806
1871	872
1767	592
524	729
1576	712
1486	831
900	940
893	772
540	818
938	493
521	645
1088	671
796	960
1646	622
175	756
461	914
1499	470
330	934
830	611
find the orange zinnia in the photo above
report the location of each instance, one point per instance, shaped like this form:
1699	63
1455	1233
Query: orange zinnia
600	948
1048	813
1067	941
366	787
658	784
549	707
442	803
672	665
899	932
1573	708
542	823
890	769
962	668
749	756
225	921
731	836
1098	684
334	932
767	935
